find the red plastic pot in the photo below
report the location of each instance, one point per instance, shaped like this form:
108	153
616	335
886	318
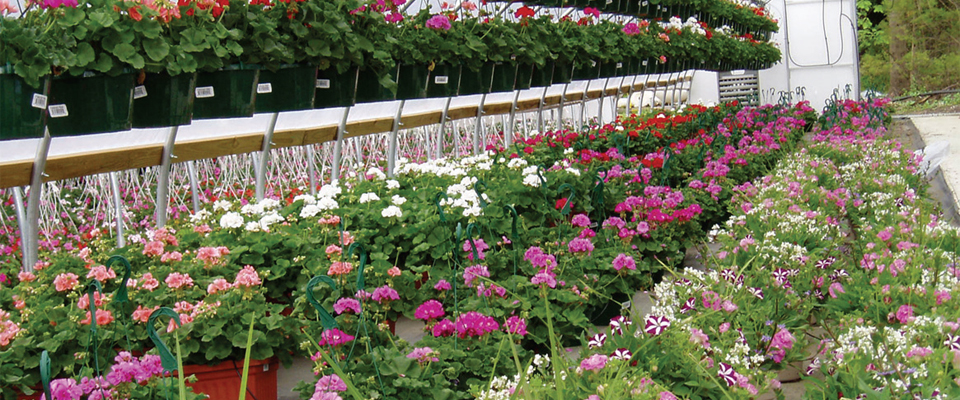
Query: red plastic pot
222	381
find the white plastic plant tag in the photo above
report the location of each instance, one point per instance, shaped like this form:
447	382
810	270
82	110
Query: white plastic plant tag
139	92
626	305
645	3
441	80
204	92
644	63
619	65
593	63
39	101
58	111
264	88
323	84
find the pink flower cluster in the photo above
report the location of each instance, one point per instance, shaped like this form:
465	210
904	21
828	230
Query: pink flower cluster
474	324
430	309
327	388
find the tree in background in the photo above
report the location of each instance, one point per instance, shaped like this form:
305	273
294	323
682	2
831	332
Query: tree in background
924	45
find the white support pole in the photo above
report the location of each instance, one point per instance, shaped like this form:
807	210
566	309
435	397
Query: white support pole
392	146
265	156
117	209
563	102
543	101
194	185
442	129
583	106
24	229
312	169
511	122
338	147
33	201
478	130
163	181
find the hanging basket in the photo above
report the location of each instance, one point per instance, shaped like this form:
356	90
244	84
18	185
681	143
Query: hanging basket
290	88
370	90
161	100
227	93
22	107
412	81
476	81
335	89
542	74
524	76
444	81
586	71
563	72
90	104
504	77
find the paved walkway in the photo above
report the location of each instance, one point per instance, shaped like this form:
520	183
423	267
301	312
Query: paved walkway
940	135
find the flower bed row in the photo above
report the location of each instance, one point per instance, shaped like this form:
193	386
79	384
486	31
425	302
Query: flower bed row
441	240
837	259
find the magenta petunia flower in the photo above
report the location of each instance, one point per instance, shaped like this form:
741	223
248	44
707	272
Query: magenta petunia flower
622	354
656	324
597	341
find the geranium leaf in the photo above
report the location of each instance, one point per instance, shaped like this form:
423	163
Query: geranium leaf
157	49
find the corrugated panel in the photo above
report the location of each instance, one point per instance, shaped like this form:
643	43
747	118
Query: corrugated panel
744	87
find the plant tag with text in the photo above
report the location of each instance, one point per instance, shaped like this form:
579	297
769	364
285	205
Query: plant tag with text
264	88
39	101
441	80
58	111
323	84
139	92
204	92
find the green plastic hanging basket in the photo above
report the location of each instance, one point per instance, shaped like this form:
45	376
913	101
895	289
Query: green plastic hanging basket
504	77
476	81
542	75
412	81
227	93
524	76
563	72
335	89
370	90
586	71
161	100
22	107
444	81
90	104
290	88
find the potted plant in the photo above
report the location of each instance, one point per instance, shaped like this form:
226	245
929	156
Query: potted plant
26	58
331	42
376	23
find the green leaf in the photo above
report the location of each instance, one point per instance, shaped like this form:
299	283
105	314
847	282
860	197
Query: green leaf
156	49
85	54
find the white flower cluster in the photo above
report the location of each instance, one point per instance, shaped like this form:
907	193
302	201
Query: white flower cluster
325	200
679	24
376	173
391	212
463	195
368	197
531	177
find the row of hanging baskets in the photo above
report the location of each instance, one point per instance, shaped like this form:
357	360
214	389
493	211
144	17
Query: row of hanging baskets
100	103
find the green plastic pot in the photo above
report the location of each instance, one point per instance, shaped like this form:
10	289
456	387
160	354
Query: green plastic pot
610	69
542	75
22	107
563	72
504	77
524	76
335	89
370	90
444	81
476	81
290	88
227	93
90	104
412	81
162	100
587	71
624	69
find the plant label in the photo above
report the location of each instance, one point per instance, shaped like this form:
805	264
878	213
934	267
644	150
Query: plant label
39	101
264	88
139	92
58	111
645	3
323	84
644	63
204	92
441	80
619	65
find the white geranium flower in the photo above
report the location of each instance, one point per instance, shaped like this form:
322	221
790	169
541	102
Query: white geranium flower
531	180
331	190
517	163
252	226
310	210
200	216
307	199
393	184
376	173
270	219
251	209
231	220
391	211
398	200
472	211
328	203
221	205
268	204
368	197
